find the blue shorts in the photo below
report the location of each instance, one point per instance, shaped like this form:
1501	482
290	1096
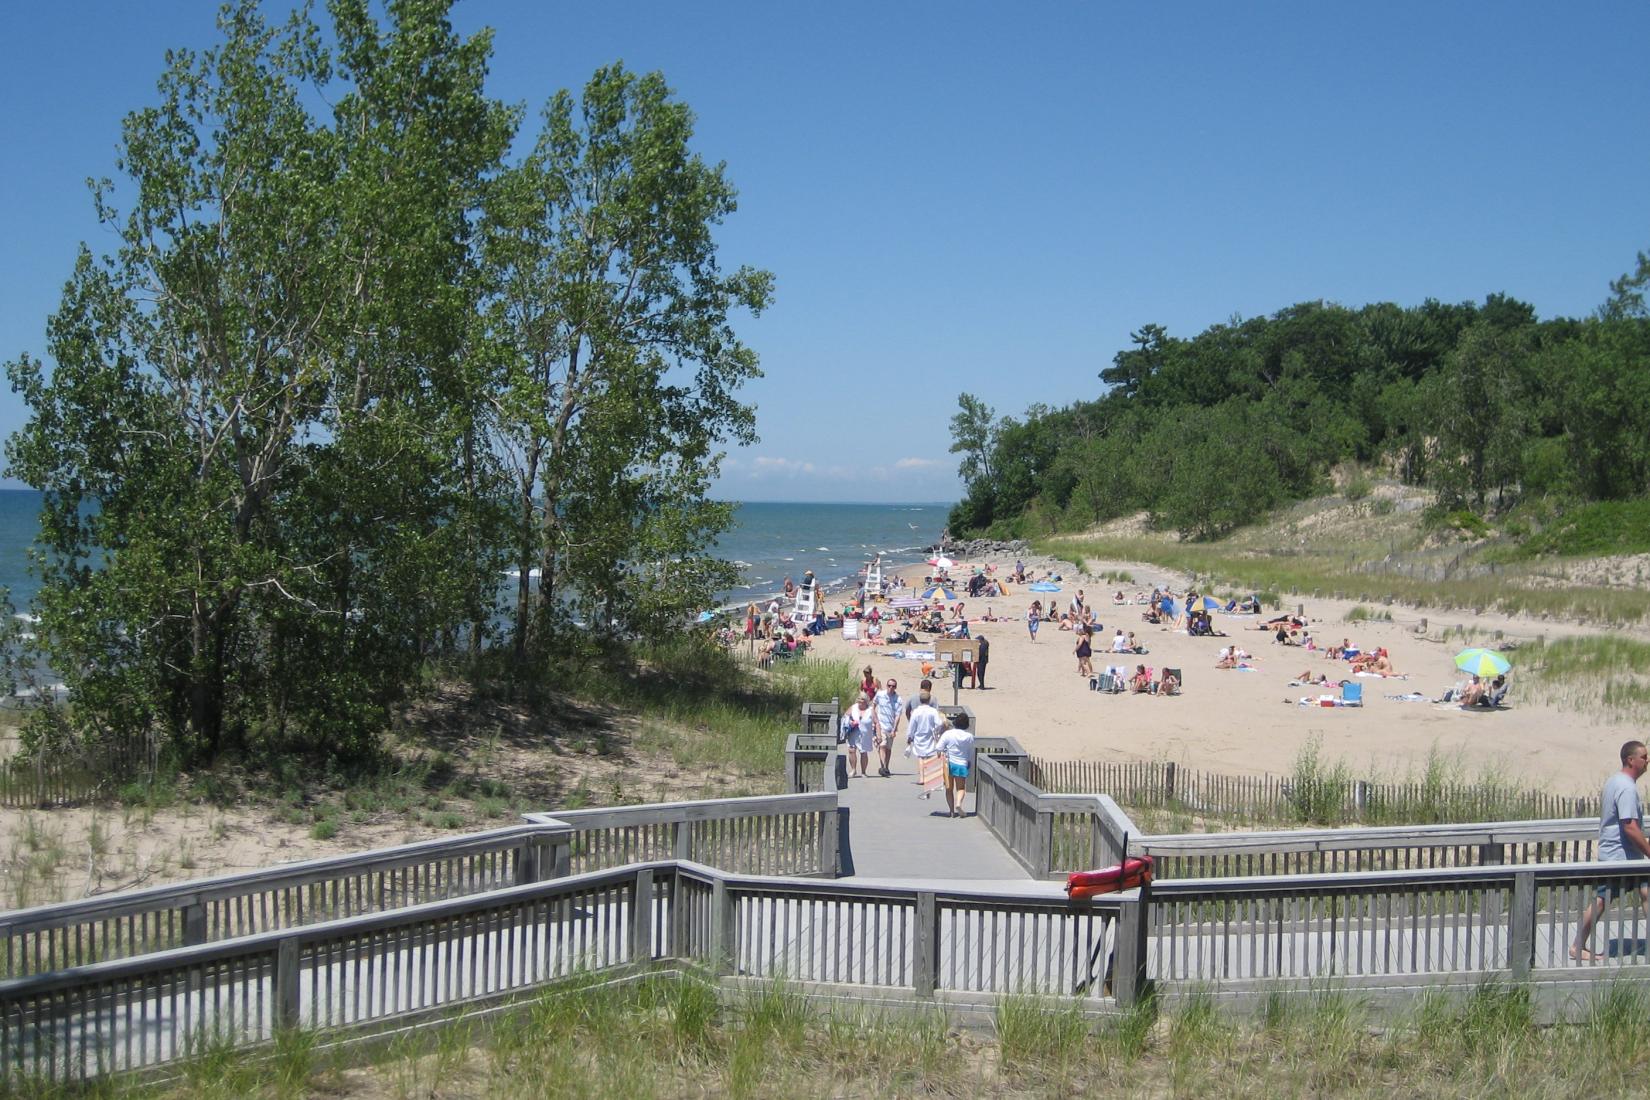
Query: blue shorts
960	771
1610	891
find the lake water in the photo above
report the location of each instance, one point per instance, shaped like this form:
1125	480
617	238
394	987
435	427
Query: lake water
768	542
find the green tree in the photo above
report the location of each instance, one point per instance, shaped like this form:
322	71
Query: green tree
248	438
618	363
1480	413
974	432
1626	299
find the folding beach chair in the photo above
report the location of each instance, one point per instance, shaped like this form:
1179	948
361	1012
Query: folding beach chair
1352	695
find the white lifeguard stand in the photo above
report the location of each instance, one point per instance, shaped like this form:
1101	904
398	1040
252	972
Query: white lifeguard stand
873	579
806	598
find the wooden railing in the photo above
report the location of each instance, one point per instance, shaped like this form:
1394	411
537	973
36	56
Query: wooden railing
472	952
788	834
1379	930
70	934
813	763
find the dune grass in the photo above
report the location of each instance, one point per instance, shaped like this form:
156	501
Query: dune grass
1607	675
705	707
675	1037
1344	570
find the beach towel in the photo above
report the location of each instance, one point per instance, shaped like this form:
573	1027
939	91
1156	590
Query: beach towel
1408	697
912	654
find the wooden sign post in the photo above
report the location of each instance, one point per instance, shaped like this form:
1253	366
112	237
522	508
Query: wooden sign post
956	652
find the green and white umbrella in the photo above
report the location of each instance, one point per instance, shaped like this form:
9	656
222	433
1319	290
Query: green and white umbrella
1482	662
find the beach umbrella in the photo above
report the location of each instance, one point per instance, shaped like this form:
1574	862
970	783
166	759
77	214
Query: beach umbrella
705	616
1482	662
1206	603
948	593
1042	586
942	562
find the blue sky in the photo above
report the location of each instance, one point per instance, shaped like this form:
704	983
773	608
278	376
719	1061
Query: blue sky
990	197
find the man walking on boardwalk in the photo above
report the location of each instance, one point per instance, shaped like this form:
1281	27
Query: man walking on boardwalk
888	704
1620	837
923	725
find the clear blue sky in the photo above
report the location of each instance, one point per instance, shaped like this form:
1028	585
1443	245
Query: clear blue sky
990	197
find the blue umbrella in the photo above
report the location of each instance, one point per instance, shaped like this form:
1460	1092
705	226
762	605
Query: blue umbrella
949	594
1042	586
705	616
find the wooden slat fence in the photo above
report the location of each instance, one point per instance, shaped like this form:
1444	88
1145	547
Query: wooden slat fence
56	777
1171	786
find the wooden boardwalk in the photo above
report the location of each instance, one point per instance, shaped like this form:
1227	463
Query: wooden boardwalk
893	833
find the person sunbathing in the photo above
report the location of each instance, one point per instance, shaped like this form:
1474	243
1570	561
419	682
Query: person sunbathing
1141	681
1228	659
1473	695
1118	598
1169	684
989	616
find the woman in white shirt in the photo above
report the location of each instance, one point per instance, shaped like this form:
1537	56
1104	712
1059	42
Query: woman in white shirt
957	743
859	728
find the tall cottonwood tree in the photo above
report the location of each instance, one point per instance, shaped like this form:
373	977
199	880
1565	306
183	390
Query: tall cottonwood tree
618	364
251	439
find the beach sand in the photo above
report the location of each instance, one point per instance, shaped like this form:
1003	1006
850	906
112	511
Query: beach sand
1249	722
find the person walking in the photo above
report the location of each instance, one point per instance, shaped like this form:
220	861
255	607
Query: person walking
1084	651
957	743
982	655
923	726
888	706
1620	837
859	727
1034	617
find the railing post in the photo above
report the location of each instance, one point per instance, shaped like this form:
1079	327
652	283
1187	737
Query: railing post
1043	844
561	857
194	922
1521	926
830	855
1168	782
926	965
286	984
1131	986
723	927
1492	854
681	839
641	917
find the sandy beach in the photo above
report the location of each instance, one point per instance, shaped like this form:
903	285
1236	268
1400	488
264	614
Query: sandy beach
1249	722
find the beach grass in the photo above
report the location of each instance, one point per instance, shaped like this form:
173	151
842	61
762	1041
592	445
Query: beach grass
706	708
1327	570
675	1036
1608	675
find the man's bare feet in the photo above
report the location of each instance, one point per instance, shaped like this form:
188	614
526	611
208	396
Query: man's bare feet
1581	954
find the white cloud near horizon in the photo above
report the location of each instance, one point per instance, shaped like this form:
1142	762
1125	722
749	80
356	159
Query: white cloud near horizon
920	464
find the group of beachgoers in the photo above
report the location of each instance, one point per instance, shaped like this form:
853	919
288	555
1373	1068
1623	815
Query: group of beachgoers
871	725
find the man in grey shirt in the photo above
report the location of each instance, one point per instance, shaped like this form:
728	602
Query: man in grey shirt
1620	837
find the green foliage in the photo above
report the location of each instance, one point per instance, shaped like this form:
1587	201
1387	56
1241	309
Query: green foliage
344	362
1480	401
1318	789
1605	527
